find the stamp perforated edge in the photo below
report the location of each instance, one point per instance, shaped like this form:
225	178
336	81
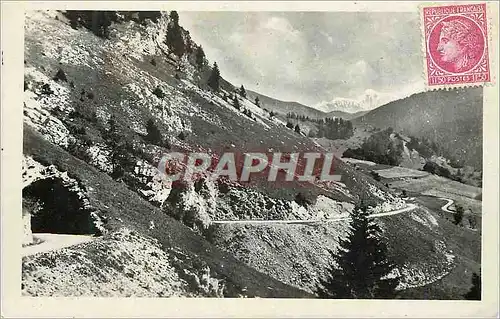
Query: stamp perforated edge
492	30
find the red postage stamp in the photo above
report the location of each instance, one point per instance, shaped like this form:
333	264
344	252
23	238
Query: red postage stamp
456	44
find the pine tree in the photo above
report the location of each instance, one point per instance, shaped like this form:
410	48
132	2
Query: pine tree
257	101
243	93
174	39
458	215
101	20
60	76
362	264
113	138
214	79
236	102
74	18
475	291
200	58
174	16
120	158
154	134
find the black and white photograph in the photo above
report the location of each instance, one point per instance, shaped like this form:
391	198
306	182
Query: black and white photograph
257	153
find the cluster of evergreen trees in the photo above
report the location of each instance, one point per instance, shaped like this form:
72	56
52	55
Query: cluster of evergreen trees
98	22
295	116
427	148
378	148
296	128
331	128
334	128
424	146
122	150
436	169
236	104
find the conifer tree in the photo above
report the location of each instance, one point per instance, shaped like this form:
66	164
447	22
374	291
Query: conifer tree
243	93
200	58
475	291
214	79
257	101
174	16
96	21
236	102
362	264
458	215
153	133
297	128
119	156
174	39
101	20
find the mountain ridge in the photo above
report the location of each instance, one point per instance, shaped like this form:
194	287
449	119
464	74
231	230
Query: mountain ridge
114	89
452	118
284	107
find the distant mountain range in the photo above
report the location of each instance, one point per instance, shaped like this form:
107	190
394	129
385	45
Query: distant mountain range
452	118
341	105
370	100
284	107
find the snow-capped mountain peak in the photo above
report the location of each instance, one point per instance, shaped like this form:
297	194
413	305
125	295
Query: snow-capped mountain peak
369	100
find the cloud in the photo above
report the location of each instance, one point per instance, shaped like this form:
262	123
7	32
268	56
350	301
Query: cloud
282	28
312	56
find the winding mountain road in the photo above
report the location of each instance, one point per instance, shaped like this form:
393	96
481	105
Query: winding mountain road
51	242
447	205
408	208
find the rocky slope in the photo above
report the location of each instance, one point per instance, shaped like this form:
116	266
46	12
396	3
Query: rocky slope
139	218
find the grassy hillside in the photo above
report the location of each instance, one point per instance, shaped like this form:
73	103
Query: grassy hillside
284	107
95	124
452	118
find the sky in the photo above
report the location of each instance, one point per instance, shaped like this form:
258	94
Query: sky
310	57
